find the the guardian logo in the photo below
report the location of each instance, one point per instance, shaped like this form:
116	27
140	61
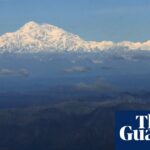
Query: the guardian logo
132	130
129	133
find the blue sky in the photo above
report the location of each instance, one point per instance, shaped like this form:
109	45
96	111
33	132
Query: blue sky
114	20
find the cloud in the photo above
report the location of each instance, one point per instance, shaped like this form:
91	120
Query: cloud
73	61
24	72
96	61
11	72
98	85
106	67
77	69
140	57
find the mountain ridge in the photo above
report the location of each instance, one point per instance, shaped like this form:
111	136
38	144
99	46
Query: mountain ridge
34	37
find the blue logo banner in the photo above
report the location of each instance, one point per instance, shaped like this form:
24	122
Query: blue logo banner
132	130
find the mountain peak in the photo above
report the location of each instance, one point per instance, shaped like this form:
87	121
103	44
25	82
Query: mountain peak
29	26
33	26
31	23
34	37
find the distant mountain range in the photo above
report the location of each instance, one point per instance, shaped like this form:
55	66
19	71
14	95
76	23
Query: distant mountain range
34	38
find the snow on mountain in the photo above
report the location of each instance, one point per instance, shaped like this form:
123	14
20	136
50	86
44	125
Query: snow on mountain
33	37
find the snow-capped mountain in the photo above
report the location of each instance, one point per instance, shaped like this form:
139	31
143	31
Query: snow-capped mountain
33	37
